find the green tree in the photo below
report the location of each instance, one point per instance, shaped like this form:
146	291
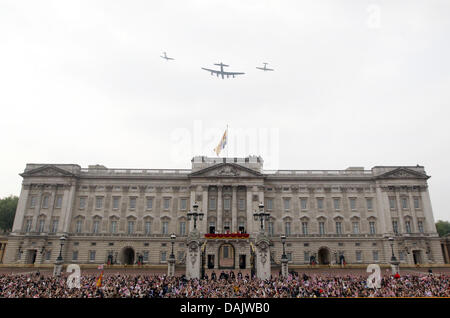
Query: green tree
8	208
443	227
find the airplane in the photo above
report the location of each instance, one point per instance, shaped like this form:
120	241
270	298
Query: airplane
222	72
166	57
265	68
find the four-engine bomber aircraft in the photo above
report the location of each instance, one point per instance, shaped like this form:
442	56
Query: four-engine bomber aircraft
222	72
265	68
166	57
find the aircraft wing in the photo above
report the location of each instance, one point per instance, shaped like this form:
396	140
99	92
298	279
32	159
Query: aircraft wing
232	73
212	71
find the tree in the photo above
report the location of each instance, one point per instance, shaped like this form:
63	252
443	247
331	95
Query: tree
443	227
8	208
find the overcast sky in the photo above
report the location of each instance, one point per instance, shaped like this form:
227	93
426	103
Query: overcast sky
356	83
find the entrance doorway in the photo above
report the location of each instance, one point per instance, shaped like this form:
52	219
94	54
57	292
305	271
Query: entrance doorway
242	261
226	256
31	257
417	255
128	256
210	261
324	256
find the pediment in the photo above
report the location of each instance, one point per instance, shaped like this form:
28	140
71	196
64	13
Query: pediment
226	170
402	173
47	171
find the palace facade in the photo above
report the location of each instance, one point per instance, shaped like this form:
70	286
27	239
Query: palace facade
124	216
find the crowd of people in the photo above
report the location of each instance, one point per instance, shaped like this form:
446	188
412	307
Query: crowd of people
224	285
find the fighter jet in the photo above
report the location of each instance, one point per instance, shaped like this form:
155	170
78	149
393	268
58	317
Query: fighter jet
222	72
166	57
265	68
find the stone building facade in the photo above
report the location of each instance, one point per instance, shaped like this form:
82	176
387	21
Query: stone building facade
122	216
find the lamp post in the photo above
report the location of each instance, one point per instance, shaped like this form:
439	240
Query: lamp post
194	215
172	237
261	215
394	263
171	263
284	259
59	260
393	258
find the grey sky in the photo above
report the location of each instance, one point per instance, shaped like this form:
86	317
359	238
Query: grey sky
356	83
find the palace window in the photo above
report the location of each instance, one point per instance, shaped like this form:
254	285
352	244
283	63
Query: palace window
33	202
271	231
98	202
241	204
113	226
321	228
166	203
420	226
212	203
269	204
75	255
353	204
145	256
287	204
355	227
58	202
392	203
305	228
41	225
116	203
289	256
55	226
148	227
48	255
132	203
82	202
372	228
45	202
163	256
182	228
369	202
375	256
95	226
130	227
395	226
338	228
320	203
408	226
416	203
287	228
404	203
183	204
78	226
337	203
165	227
358	256
92	256
226	203
306	257
303	203
149	203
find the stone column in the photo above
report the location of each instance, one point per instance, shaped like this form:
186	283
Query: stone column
430	226
67	207
51	207
383	212
202	225
249	209
193	253
219	225
171	266
401	219
263	266
193	200
234	210
37	209
21	208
